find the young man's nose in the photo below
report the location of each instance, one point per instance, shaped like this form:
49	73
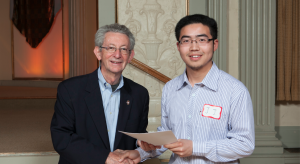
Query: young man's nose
194	46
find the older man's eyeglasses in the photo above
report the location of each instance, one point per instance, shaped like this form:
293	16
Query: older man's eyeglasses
201	41
112	49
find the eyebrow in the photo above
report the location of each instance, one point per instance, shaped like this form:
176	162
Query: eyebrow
111	44
186	36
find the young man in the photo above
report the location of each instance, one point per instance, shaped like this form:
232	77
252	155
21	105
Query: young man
209	111
91	109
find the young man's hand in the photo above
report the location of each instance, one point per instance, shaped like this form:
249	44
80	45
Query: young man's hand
182	148
147	147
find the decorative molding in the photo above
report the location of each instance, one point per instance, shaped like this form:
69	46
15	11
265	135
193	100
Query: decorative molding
78	55
156	59
155	43
289	136
217	9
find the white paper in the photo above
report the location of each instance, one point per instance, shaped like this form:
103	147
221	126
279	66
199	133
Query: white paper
156	138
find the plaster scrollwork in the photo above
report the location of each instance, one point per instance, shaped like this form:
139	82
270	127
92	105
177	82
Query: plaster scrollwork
152	9
153	22
175	64
153	86
135	27
133	24
130	72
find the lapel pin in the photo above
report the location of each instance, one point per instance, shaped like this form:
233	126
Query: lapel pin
128	102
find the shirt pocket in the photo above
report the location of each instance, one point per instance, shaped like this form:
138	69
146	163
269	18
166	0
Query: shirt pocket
219	128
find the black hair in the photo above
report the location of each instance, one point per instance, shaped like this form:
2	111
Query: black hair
197	18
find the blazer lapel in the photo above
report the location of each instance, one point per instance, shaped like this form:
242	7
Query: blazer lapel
124	111
95	105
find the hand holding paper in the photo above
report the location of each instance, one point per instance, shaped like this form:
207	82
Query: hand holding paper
182	147
146	146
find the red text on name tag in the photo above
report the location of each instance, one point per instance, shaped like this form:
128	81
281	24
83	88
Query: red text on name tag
212	111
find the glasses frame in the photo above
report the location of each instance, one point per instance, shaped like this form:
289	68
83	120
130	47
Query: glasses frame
116	50
192	40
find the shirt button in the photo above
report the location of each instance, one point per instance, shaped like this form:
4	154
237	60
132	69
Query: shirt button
107	130
193	94
188	138
111	96
190	116
110	113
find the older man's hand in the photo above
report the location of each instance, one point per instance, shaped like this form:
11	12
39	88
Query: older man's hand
113	158
124	155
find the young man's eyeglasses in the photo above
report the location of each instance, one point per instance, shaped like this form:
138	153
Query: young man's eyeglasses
202	40
112	49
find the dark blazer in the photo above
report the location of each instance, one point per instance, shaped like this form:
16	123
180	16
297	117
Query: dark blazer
78	127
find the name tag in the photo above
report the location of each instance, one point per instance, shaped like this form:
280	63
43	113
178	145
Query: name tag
212	111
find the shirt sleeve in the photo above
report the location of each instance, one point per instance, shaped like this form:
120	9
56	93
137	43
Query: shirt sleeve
240	141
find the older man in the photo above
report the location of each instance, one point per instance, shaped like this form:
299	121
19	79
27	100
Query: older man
91	109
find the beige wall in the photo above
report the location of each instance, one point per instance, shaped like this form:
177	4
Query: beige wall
233	38
287	114
5	41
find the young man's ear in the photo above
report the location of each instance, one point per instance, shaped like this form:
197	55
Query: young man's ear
216	44
177	45
97	52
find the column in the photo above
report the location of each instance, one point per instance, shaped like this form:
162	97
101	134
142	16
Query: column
217	9
78	55
257	68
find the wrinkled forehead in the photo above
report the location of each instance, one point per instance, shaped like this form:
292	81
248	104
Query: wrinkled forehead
116	39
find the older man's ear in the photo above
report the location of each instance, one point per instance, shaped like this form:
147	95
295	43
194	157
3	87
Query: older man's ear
97	52
131	56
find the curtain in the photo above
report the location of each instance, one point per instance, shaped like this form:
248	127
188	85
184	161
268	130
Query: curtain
33	18
288	51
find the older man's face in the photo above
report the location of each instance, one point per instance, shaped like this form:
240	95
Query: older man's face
113	63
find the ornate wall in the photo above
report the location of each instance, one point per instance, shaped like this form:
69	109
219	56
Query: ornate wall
153	22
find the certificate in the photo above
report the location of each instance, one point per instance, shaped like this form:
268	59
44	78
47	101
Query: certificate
156	138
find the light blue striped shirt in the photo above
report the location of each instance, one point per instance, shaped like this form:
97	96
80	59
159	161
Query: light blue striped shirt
222	140
111	104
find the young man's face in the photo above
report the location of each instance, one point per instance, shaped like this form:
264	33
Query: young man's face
197	57
114	62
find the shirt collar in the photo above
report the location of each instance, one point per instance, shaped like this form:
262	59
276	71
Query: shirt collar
104	84
183	80
210	80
